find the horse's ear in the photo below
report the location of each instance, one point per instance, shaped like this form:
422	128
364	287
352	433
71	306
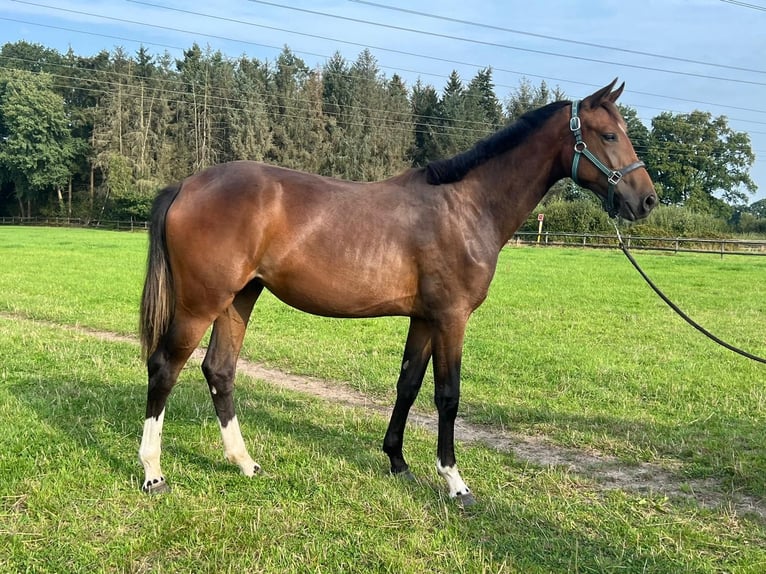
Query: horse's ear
616	94
596	99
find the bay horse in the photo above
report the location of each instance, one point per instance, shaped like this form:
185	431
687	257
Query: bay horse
423	244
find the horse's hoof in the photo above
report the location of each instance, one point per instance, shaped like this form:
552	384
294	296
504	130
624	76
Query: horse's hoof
466	499
405	475
252	470
156	486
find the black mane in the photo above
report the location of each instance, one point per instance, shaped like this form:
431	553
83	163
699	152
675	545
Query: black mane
455	168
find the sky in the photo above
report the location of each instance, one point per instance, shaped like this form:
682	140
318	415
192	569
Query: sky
674	55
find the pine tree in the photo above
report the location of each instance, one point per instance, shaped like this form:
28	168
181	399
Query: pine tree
424	103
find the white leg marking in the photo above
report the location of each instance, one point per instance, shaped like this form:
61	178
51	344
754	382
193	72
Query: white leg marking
452	476
234	448
150	450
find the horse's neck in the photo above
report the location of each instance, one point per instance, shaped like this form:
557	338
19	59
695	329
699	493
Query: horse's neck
512	184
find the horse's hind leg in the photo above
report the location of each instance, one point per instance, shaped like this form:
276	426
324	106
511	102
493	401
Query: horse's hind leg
163	367
219	368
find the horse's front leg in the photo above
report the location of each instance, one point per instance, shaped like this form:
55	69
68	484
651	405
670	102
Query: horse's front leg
417	353
447	354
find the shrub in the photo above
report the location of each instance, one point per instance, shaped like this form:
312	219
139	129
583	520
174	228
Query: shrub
586	216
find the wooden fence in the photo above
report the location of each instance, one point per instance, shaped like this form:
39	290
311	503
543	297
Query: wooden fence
722	246
76	222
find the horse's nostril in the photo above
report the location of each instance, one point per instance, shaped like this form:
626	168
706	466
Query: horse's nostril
650	201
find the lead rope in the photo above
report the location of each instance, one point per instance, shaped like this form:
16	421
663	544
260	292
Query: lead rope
675	307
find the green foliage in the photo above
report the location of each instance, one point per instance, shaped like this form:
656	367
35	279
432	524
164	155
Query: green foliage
467	113
758	209
133	206
426	112
673	221
528	97
745	222
694	157
36	145
638	132
585	215
370	121
582	215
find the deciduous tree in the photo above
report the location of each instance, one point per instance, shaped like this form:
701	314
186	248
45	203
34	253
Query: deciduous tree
699	161
36	146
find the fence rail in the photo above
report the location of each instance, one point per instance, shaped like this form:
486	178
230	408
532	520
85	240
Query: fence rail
76	222
722	247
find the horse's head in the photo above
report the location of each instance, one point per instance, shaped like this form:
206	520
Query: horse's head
603	158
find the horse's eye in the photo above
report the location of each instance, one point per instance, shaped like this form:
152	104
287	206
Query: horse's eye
610	137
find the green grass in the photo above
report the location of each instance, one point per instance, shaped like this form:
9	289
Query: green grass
71	416
570	345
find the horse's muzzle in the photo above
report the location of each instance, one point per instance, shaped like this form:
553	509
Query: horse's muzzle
639	207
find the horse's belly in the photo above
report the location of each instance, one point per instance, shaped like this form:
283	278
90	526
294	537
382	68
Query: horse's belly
338	290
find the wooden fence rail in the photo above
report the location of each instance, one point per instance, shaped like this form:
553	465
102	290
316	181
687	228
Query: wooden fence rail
548	238
673	244
76	222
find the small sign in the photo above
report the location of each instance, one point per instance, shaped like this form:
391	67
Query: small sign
540	216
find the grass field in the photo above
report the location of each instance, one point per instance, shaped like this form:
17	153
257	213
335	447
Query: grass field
570	346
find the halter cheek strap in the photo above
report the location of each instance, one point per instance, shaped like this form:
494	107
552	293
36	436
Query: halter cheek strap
613	176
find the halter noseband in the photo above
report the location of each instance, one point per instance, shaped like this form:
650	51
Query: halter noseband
613	176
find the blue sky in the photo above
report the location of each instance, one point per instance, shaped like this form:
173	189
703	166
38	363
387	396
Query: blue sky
674	55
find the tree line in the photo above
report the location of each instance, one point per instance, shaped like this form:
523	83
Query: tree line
97	136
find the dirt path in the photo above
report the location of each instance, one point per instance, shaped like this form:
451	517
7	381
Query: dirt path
608	472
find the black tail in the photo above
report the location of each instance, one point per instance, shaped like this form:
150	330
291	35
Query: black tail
157	301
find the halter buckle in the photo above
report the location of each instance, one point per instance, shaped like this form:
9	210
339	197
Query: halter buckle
614	177
574	124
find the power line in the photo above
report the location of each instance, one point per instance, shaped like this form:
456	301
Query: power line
555	38
745	5
497	44
322	55
335	39
158	26
128	76
89	33
380	48
221	104
477	66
